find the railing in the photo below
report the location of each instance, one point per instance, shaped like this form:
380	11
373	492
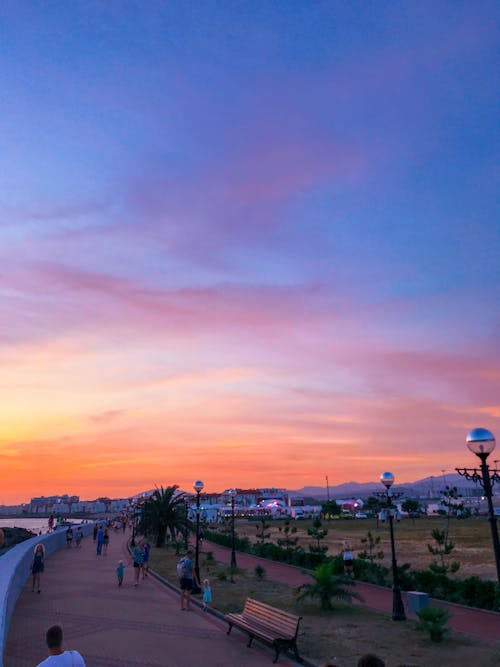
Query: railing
15	568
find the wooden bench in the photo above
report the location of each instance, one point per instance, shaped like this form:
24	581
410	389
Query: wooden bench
272	626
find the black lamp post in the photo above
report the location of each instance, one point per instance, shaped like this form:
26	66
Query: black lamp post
398	610
481	442
135	515
186	527
232	493
198	487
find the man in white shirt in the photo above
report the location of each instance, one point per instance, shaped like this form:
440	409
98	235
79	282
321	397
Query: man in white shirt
58	657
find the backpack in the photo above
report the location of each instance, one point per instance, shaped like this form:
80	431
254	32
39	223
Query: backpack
180	568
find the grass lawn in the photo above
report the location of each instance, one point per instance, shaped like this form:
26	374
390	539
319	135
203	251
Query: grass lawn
342	635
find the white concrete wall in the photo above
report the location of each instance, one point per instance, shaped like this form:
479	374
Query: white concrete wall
15	568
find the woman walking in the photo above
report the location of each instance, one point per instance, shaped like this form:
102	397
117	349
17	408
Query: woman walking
105	542
37	566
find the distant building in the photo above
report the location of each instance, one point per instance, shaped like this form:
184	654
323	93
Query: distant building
45	504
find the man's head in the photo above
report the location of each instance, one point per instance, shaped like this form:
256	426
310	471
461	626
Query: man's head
54	637
189	553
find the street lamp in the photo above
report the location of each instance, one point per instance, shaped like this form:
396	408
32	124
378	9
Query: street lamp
135	516
186	528
232	493
481	442
398	611
198	487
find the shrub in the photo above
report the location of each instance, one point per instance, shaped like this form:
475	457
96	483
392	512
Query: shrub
259	572
326	586
433	620
373	573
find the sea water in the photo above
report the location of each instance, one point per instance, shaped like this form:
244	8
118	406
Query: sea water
35	525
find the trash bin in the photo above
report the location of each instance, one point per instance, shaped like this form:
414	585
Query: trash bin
417	601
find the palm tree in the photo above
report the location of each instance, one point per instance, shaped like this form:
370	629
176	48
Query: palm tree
164	511
326	586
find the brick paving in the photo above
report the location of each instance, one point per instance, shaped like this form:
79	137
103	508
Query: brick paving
473	622
120	627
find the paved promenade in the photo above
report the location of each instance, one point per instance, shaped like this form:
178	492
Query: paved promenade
120	627
474	622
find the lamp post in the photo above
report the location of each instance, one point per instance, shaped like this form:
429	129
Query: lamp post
186	526
232	493
481	442
134	526
198	487
398	610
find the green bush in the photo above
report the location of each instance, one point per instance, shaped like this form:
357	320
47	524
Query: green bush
372	573
259	572
433	620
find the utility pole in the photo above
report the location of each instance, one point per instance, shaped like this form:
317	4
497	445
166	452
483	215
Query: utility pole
327	489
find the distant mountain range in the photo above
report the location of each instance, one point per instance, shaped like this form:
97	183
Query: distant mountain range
427	486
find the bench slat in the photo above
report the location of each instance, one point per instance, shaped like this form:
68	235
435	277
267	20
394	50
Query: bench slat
260	628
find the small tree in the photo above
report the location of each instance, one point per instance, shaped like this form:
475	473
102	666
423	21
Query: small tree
442	548
370	553
288	542
262	527
330	509
433	621
373	505
259	572
318	532
209	560
412	506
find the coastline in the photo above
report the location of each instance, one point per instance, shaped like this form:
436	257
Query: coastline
14	535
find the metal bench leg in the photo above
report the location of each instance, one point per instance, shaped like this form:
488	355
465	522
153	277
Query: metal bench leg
277	649
250	640
296	653
229	629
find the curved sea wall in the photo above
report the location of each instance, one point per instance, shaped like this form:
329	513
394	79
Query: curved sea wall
15	568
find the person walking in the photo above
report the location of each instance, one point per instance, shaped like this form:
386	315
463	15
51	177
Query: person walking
120	570
188	577
146	548
348	558
58	657
105	542
100	538
79	537
207	594
37	566
138	563
69	537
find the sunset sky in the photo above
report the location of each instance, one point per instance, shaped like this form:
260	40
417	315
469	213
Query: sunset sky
253	243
